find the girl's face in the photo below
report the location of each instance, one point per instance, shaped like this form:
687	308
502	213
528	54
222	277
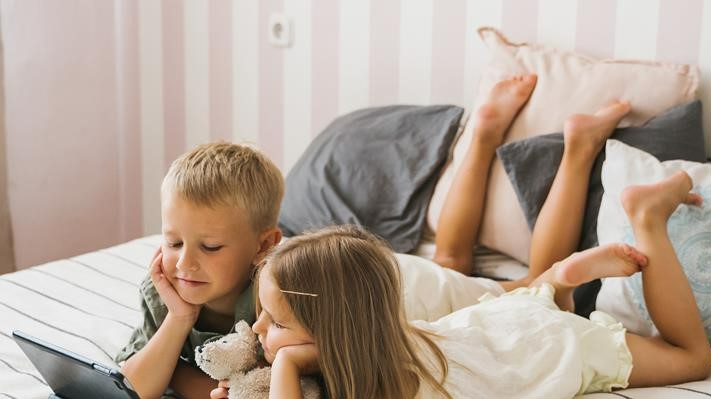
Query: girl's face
276	325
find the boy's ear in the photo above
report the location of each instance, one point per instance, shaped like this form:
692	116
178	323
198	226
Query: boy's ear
267	240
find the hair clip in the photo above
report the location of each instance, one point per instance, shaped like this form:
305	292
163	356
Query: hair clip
298	293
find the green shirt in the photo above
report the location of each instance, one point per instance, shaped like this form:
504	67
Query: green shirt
155	311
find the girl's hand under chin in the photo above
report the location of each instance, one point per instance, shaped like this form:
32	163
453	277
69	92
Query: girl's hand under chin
304	357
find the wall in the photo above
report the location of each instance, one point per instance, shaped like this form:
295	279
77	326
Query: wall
101	96
7	261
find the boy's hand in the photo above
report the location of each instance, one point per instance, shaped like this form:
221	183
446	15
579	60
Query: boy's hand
304	357
221	391
177	307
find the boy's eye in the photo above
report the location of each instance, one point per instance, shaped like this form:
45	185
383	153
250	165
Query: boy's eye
212	249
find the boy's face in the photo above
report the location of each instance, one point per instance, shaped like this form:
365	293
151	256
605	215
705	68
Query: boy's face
207	252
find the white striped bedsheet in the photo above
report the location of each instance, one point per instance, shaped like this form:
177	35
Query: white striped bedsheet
89	304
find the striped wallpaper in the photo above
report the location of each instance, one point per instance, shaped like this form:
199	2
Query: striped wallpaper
191	71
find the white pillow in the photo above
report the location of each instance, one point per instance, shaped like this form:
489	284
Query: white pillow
689	230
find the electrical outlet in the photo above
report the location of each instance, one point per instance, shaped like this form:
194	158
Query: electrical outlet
280	30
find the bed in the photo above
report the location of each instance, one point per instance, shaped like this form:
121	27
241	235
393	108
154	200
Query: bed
89	304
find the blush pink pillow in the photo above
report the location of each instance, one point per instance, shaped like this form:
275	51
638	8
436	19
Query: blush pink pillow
568	83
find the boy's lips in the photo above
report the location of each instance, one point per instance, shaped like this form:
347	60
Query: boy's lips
189	282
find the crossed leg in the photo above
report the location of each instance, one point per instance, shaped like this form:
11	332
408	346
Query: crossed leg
683	347
556	234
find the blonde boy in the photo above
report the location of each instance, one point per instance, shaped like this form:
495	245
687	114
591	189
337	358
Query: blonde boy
219	204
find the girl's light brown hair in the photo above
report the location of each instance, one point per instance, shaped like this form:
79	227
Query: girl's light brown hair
229	174
367	349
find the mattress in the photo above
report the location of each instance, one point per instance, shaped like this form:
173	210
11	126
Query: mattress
89	304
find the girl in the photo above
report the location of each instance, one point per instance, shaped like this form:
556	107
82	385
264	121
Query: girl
330	303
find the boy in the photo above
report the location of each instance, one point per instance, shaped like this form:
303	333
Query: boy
219	205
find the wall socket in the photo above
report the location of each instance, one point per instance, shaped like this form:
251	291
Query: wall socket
280	30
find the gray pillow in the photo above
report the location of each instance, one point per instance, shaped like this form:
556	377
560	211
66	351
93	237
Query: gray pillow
375	167
531	165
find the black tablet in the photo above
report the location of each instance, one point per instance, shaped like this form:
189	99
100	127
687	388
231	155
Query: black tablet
72	376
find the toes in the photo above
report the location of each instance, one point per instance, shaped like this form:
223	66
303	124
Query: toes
635	255
693	199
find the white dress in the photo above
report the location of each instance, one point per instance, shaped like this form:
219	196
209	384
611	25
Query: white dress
521	345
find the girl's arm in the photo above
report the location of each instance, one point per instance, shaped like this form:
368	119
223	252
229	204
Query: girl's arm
290	363
285	383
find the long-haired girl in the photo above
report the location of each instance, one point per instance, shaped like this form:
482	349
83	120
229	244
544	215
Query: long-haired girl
330	303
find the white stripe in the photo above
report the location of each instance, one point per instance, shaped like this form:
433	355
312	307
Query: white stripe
297	83
636	29
415	51
556	23
354	55
197	72
705	64
479	13
151	92
245	61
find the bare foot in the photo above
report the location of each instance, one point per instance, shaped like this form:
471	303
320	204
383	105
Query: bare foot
653	204
611	260
588	133
498	111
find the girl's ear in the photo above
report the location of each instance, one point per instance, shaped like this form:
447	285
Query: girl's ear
267	240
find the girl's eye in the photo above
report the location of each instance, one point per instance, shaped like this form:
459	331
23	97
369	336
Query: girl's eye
212	249
277	325
174	244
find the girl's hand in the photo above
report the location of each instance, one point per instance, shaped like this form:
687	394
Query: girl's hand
304	357
221	391
177	307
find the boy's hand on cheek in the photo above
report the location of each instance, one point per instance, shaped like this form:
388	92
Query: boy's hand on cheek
177	307
304	357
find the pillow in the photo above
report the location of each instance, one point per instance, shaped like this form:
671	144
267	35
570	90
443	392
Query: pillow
531	164
689	230
568	83
374	167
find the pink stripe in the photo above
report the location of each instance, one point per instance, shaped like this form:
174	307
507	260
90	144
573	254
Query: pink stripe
173	80
271	87
220	70
679	34
519	20
324	61
384	52
130	176
596	25
448	48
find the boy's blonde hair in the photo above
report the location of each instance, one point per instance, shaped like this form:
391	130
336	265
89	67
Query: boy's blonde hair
367	349
231	175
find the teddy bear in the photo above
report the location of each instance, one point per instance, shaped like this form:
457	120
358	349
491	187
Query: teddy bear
234	358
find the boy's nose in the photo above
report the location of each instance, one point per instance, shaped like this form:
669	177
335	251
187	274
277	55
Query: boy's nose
187	262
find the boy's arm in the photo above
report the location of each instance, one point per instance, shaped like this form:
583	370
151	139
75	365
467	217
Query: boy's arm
151	369
191	383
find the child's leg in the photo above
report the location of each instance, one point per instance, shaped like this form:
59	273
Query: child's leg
459	220
559	224
682	353
612	260
558	227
